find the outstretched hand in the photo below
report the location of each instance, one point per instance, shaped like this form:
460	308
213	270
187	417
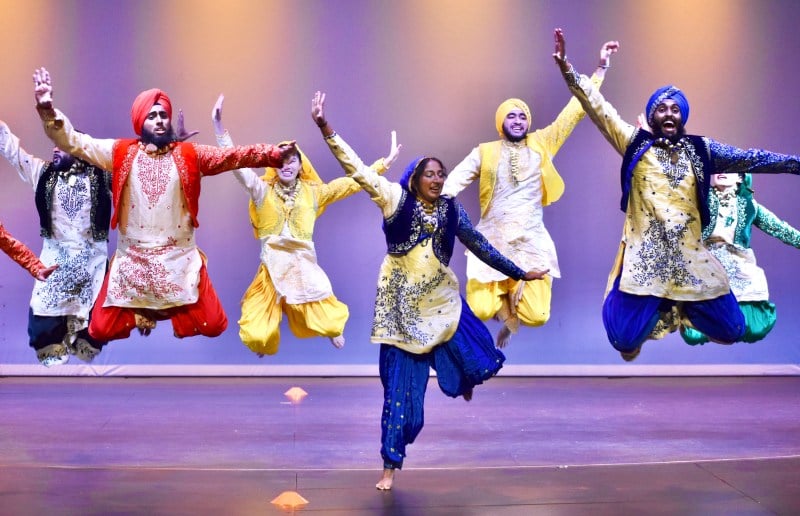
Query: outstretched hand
560	53
394	151
42	87
216	115
535	275
44	273
181	134
318	109
608	48
641	122
287	149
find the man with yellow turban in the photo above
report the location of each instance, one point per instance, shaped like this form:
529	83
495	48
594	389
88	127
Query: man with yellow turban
158	272
516	180
663	277
284	205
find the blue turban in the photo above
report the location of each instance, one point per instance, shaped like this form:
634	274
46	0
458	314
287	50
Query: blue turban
662	94
405	179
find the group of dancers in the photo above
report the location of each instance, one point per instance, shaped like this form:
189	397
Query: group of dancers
684	261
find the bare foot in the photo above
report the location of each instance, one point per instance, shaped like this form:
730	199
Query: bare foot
338	342
467	395
503	337
385	483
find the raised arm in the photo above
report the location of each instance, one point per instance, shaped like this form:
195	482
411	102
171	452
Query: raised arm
58	128
28	166
247	177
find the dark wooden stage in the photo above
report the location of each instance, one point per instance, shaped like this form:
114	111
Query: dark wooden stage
522	446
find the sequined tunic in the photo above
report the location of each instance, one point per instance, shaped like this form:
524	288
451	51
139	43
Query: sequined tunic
418	302
728	240
662	252
72	289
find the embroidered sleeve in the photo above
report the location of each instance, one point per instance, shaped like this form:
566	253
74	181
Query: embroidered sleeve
383	192
463	174
28	167
96	151
247	177
215	160
732	160
770	224
618	132
19	252
480	247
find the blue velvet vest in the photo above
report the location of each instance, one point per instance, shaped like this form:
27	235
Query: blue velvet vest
699	154
404	229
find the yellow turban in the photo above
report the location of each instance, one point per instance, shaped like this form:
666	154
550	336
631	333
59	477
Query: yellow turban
505	108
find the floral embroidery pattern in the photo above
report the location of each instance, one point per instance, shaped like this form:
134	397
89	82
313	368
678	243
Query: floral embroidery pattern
72	279
154	175
72	198
141	273
660	255
396	306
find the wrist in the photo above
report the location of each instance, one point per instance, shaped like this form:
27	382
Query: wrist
321	124
604	63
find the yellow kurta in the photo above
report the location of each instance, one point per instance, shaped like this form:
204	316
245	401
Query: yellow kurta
418	305
661	253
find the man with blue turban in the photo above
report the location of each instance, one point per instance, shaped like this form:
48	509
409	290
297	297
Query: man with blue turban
663	277
516	180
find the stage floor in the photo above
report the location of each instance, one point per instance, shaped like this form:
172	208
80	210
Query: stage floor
527	446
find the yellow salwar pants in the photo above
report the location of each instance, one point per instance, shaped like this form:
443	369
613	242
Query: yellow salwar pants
259	325
492	299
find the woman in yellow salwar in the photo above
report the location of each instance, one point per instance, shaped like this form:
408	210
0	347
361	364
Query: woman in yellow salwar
284	205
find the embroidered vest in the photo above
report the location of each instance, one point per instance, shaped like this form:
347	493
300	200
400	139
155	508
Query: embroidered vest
269	218
403	230
100	195
183	155
699	155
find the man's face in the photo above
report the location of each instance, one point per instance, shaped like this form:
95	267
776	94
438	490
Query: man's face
62	160
667	120
515	126
288	173
725	181
157	127
430	181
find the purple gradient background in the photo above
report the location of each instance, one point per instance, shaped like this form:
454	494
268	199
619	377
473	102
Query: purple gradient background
435	71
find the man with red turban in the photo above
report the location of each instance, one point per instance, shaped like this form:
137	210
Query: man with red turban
157	272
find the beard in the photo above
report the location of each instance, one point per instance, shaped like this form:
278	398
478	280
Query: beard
159	141
512	138
680	132
61	164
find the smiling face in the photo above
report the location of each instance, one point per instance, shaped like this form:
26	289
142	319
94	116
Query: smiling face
288	173
667	120
428	182
515	125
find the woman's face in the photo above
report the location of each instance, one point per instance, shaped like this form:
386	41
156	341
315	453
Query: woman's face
724	181
430	180
288	173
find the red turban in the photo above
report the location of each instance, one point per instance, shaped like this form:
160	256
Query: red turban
144	102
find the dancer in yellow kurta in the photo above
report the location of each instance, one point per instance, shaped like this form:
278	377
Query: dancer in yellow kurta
516	180
284	205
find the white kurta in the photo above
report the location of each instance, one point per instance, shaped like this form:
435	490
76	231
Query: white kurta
157	263
72	289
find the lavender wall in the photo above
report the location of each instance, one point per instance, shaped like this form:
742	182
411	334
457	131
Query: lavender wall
435	71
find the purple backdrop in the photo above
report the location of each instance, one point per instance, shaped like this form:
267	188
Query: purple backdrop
435	71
